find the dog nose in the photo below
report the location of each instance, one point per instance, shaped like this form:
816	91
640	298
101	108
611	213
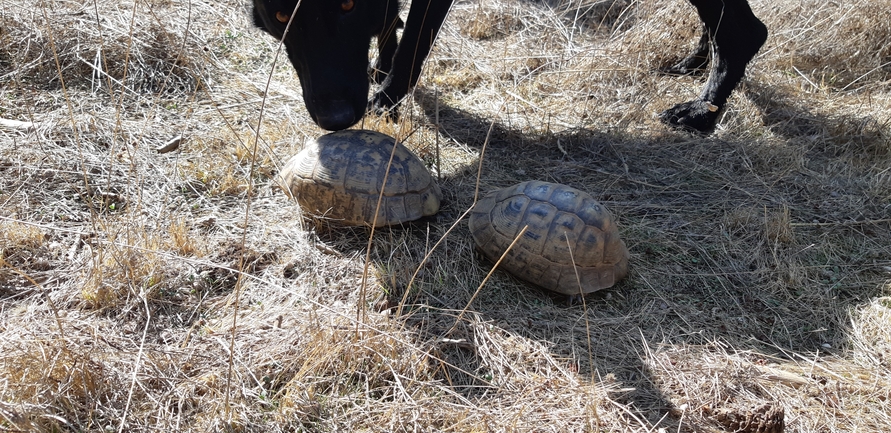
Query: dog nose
337	114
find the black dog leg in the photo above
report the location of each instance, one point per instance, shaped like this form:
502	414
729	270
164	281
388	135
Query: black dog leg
736	35
386	48
696	62
425	17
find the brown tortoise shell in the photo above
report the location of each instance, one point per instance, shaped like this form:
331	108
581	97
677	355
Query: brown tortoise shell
565	226
339	176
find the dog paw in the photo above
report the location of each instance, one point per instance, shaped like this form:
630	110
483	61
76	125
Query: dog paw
696	116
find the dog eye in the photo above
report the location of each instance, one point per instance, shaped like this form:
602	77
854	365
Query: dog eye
283	17
347	5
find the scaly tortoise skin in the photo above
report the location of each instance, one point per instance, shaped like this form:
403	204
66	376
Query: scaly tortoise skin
339	176
542	255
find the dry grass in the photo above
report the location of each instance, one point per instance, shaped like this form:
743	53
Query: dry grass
144	291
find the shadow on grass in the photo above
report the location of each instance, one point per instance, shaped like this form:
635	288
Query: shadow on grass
854	136
733	244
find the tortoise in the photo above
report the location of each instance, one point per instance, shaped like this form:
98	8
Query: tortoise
564	226
340	175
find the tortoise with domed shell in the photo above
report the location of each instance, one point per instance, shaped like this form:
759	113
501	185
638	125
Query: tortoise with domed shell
341	175
571	244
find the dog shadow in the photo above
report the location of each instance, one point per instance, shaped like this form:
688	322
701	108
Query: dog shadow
612	338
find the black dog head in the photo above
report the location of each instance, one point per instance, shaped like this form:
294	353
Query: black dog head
328	44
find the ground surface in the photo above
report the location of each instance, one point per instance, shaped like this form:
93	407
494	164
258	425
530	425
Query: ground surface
181	291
